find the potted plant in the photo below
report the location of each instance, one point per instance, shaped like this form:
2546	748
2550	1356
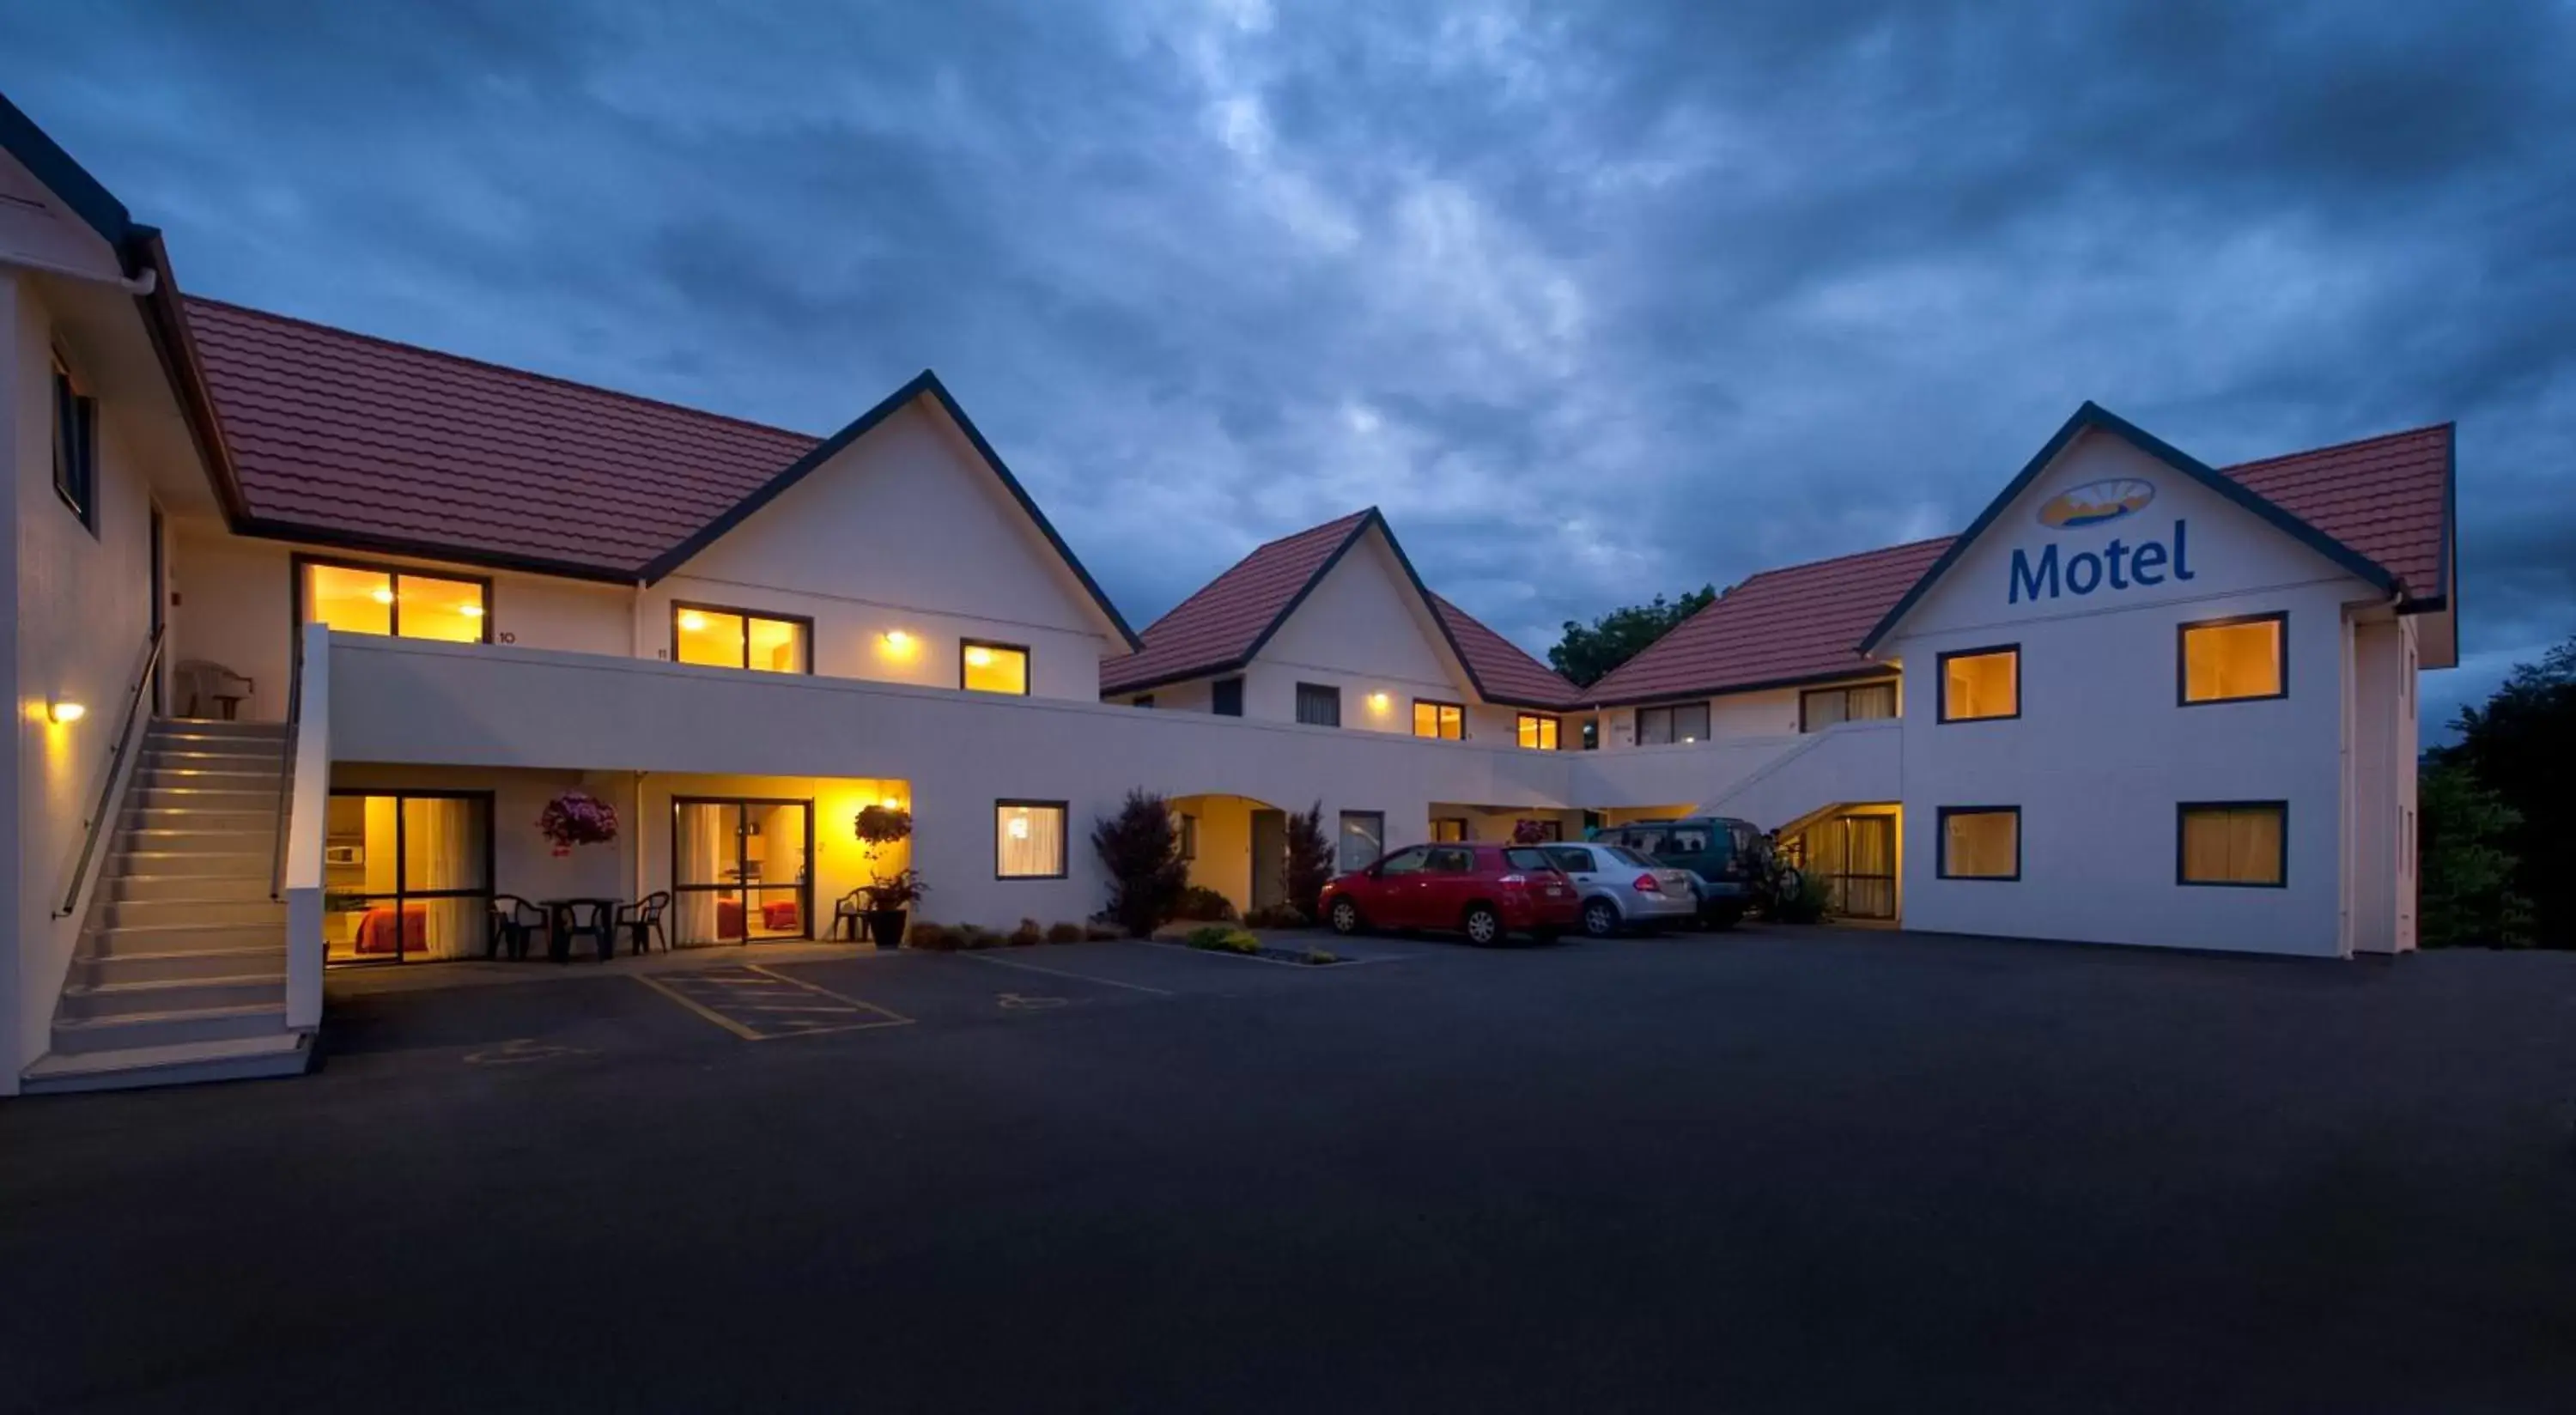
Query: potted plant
888	895
888	899
577	818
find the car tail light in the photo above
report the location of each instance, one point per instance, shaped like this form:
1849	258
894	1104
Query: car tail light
1647	884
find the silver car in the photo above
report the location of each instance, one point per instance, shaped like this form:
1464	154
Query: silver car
1620	888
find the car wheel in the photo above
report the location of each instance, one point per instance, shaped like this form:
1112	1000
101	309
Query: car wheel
1601	918
1483	925
1346	917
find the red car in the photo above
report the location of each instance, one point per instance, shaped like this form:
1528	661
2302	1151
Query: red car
1483	891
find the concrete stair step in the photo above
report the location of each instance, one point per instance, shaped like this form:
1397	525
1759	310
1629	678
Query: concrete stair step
214	798
215	727
259	821
152	777
200	913
176	885
170	996
186	1063
78	1035
181	965
245	863
127	939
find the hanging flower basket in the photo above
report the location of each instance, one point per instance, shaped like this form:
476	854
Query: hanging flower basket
577	818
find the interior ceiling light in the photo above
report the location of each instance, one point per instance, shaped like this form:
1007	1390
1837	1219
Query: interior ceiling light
692	621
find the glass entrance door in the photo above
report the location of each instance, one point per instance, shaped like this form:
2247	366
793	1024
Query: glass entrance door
741	869
1856	855
406	875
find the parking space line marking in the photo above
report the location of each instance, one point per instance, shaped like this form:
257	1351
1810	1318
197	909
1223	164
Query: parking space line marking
1060	973
858	1002
696	1006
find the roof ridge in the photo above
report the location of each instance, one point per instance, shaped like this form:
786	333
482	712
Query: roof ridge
469	361
2448	425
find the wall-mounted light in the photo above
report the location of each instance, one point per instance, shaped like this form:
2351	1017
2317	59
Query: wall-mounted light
1377	702
692	621
897	641
65	712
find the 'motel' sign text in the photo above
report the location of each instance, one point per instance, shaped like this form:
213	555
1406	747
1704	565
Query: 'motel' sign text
2118	565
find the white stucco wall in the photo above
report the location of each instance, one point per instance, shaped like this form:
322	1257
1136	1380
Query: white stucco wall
81	610
2102	753
1362	630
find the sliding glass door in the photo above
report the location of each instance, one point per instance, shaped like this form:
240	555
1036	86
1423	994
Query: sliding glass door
741	869
407	875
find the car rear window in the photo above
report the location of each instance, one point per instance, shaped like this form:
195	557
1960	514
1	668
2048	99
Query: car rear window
1527	859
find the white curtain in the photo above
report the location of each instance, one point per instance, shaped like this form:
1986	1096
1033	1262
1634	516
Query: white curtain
443	850
707	844
1032	841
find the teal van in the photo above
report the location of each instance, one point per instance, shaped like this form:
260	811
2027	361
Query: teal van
1728	859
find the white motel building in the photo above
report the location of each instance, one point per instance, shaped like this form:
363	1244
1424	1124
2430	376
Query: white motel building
310	626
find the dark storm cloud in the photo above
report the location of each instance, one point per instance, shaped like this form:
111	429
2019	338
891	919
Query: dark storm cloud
1594	304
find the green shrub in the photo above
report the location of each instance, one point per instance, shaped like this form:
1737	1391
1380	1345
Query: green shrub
1310	861
1028	934
1319	957
1277	916
1067	933
1140	849
1807	903
969	936
1217	938
1102	933
1200	904
931	938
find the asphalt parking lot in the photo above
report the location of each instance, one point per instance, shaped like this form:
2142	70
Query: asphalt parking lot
1798	1171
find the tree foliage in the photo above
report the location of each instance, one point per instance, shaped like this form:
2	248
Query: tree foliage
1310	860
1586	653
2466	874
1141	850
2521	748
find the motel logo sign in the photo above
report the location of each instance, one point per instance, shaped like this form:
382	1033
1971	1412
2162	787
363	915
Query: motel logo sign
2119	565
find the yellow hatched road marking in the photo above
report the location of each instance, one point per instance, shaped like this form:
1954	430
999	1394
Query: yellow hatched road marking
767	979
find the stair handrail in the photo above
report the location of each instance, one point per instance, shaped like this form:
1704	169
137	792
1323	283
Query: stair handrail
286	770
123	745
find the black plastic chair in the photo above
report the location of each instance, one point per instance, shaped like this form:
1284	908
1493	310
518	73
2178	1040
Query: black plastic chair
849	914
584	918
641	922
515	923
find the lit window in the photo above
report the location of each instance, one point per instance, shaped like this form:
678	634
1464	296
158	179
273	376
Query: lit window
1448	829
1446	721
1537	732
2228	660
1820	708
1319	705
358	599
993	668
1980	842
1028	838
75	446
1682	722
2234	842
1980	683
727	638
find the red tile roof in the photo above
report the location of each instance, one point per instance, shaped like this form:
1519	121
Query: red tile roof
1780	626
349	437
1219	627
1502	671
2386	498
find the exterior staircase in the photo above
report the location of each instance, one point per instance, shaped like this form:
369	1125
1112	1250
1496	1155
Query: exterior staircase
180	972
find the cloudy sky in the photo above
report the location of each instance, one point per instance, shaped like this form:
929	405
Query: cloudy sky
1595	301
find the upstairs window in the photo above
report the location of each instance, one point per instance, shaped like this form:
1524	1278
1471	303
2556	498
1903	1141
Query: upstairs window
1537	731
1820	708
993	668
75	446
1682	722
369	599
1446	721
731	638
1319	705
2234	842
1225	697
2235	660
1592	734
1981	684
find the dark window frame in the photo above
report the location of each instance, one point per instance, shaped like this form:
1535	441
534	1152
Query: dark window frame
749	894
1436	703
1941	713
2182	658
1671	711
1028	665
393	618
1895	701
682	606
75	426
1225	697
491	857
1333	690
2182	817
1941	842
1550	725
1063	841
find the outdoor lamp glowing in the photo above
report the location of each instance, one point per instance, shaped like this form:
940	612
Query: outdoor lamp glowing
65	712
897	640
1377	702
692	621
